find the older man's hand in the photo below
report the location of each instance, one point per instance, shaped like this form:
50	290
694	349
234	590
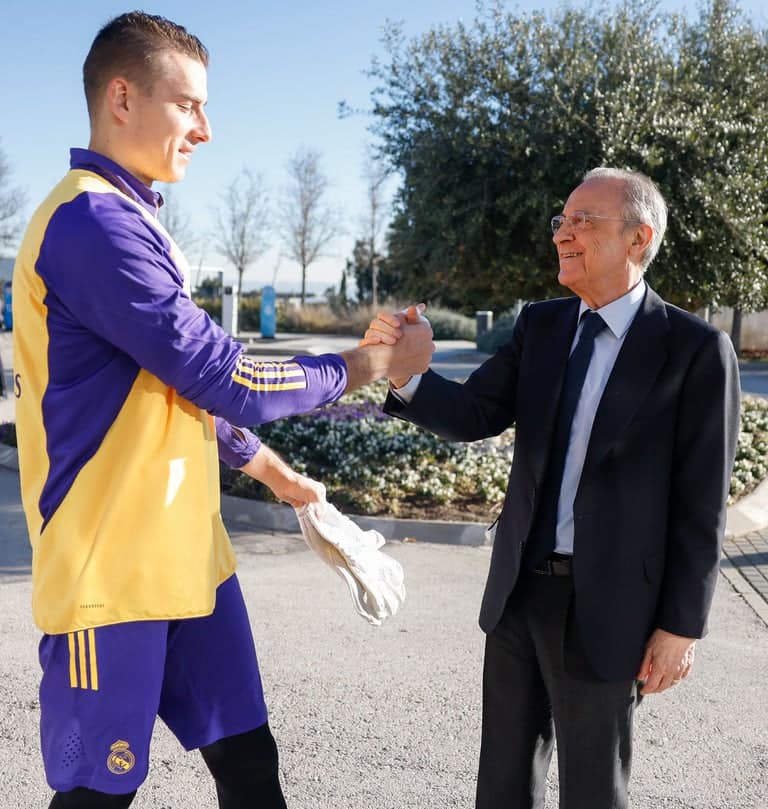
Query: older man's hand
668	660
387	328
412	353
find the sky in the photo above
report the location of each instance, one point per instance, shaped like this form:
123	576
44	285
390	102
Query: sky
277	74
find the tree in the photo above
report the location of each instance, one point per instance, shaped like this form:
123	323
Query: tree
308	223
242	219
11	205
701	144
491	125
375	175
359	268
177	222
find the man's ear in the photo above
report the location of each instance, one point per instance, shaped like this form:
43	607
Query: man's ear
641	239
117	97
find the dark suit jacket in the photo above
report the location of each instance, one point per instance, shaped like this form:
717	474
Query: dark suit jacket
649	513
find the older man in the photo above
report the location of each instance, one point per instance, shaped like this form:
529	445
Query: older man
606	551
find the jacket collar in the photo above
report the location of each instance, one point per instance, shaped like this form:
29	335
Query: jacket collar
122	179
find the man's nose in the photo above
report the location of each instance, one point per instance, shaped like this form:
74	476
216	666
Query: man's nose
203	128
563	233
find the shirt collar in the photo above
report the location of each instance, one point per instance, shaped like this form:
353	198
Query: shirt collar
119	177
620	313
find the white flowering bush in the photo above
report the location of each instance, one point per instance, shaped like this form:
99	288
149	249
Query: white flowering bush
372	464
751	466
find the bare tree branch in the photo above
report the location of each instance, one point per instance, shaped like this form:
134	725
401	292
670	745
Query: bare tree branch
375	175
174	219
12	202
242	222
308	224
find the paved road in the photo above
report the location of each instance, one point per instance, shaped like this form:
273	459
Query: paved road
754	380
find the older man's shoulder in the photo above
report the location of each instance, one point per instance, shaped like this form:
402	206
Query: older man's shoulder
682	320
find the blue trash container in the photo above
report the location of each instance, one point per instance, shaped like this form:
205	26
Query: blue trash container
268	314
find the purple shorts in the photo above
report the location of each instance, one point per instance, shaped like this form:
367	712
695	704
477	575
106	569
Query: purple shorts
102	689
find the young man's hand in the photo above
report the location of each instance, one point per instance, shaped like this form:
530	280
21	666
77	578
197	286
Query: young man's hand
289	486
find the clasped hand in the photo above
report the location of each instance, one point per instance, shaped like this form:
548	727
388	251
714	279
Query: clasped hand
411	333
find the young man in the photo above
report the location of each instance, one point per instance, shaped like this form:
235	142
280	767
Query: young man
626	414
126	390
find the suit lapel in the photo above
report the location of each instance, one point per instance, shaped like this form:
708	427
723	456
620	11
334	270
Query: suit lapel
640	359
552	341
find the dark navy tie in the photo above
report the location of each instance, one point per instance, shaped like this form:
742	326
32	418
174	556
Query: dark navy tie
541	541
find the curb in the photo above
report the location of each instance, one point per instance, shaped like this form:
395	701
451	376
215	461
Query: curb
744	589
749	514
261	516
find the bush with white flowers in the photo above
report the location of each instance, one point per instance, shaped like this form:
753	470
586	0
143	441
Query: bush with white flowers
751	466
372	464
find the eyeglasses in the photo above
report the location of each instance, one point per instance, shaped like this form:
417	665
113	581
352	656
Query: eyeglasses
580	220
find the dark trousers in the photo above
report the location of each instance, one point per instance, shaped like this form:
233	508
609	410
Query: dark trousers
538	689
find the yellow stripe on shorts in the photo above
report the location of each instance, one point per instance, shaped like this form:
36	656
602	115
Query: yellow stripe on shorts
81	658
92	657
72	661
80	665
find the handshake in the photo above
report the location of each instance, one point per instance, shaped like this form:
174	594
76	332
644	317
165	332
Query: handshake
398	345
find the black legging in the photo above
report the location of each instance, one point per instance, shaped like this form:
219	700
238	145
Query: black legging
245	770
82	798
243	766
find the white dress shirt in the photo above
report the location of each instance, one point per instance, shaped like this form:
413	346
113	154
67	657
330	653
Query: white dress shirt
618	316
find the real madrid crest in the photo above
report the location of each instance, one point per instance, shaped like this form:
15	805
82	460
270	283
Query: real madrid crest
120	759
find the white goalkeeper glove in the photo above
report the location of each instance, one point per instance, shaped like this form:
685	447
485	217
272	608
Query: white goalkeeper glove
374	579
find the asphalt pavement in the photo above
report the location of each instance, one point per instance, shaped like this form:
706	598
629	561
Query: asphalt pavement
389	717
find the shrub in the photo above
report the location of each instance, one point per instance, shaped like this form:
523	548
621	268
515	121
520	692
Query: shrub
249	313
212	306
501	332
373	464
449	325
751	466
319	318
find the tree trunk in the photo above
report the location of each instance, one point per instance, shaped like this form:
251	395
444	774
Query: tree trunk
343	289
374	286
240	271
736	330
303	285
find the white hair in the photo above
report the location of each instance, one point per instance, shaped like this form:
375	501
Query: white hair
643	202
